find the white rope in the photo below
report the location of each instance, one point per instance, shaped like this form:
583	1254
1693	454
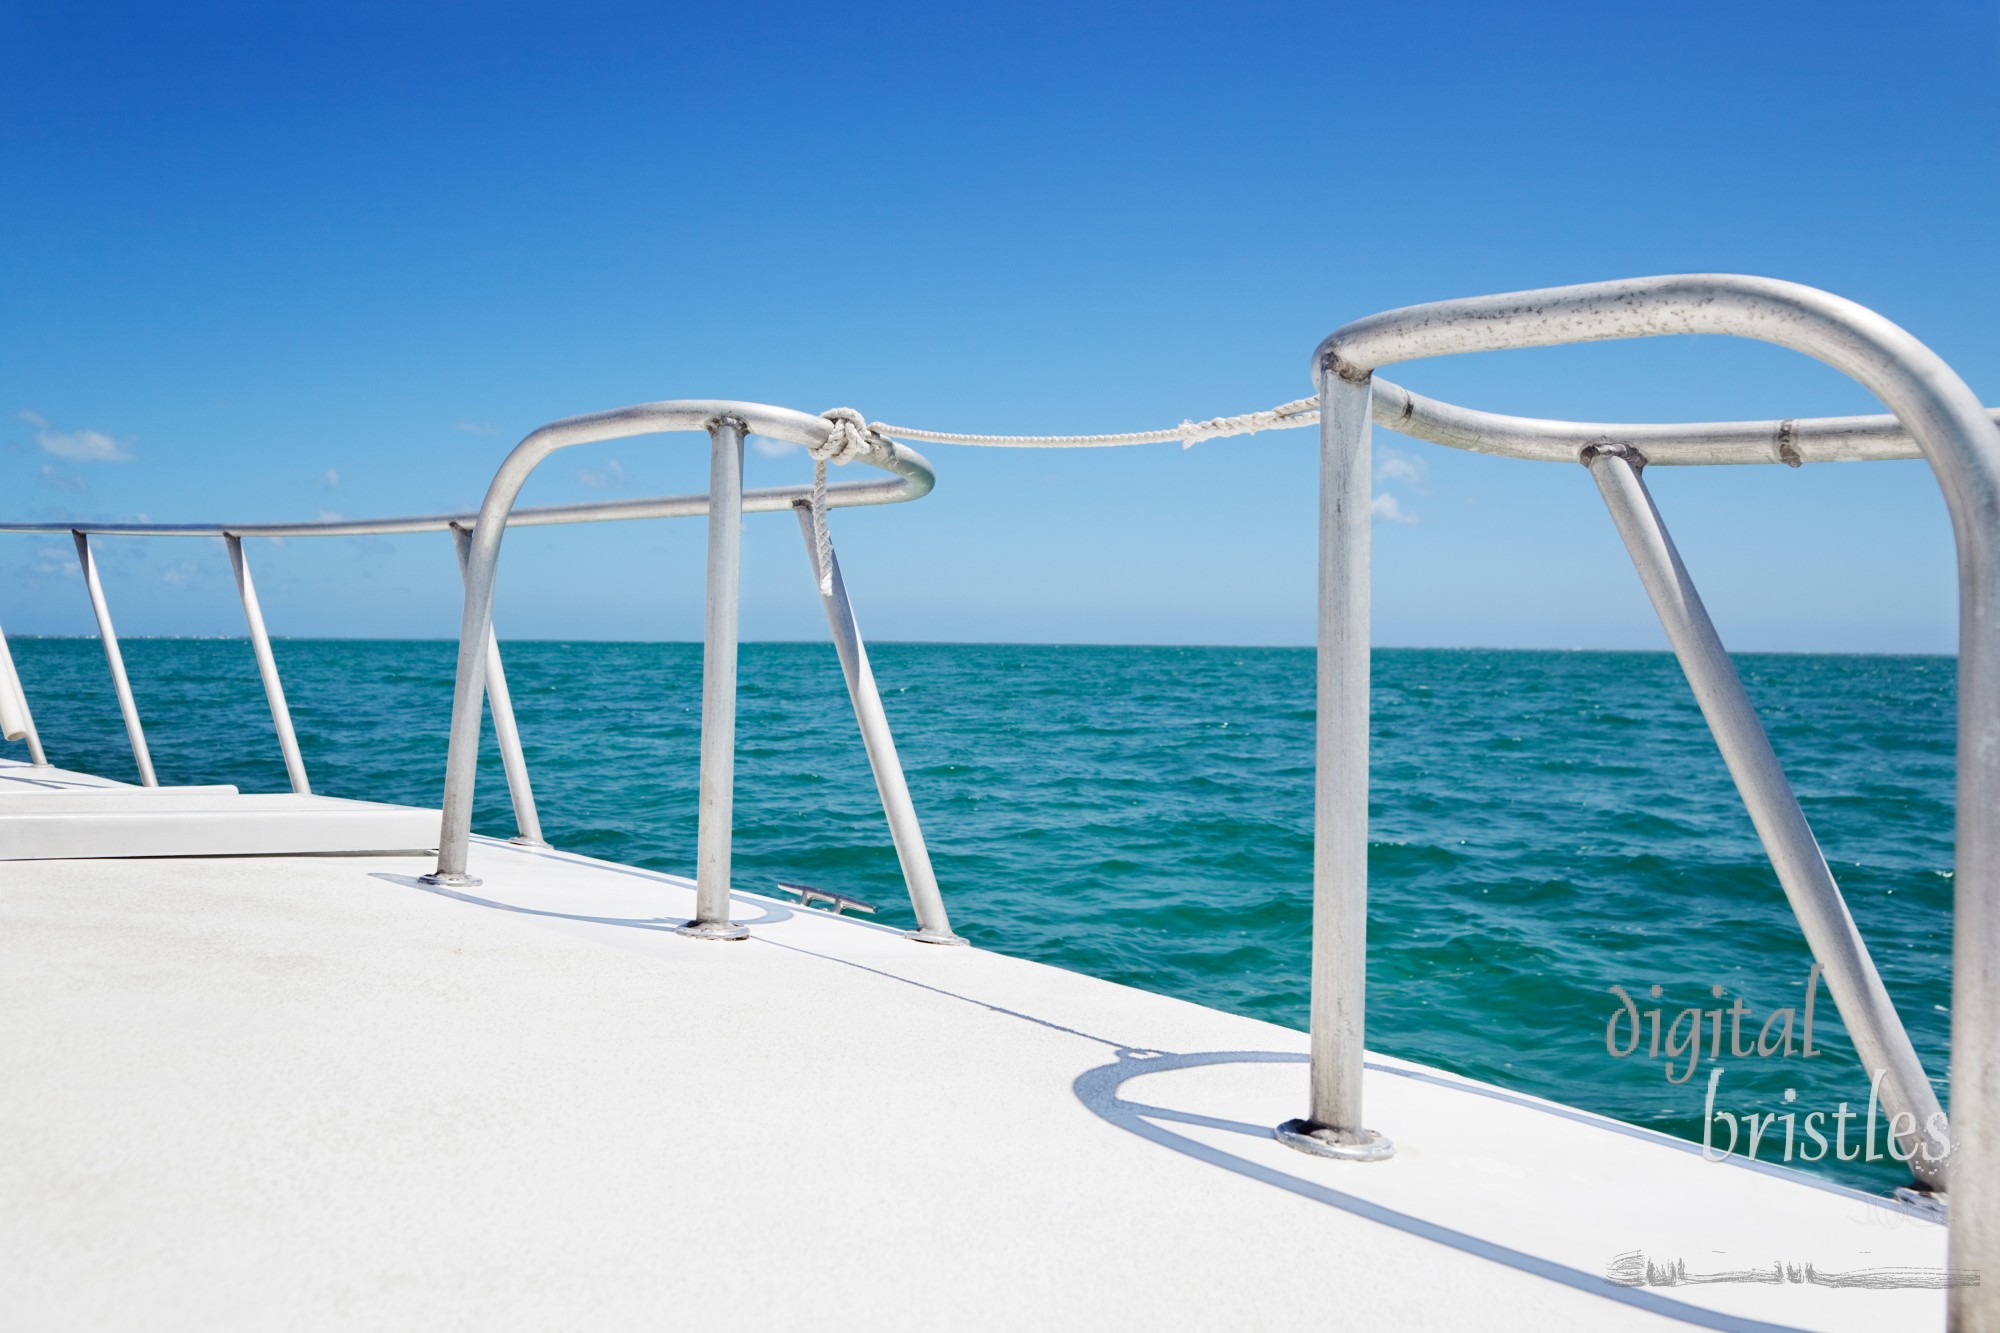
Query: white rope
847	441
1300	412
853	435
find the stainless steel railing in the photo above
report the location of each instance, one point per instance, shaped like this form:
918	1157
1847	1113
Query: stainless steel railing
476	537
726	424
1794	442
1936	417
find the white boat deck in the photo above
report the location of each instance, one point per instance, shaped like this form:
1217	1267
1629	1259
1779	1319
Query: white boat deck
311	1093
51	813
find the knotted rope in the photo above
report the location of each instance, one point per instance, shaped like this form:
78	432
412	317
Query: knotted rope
852	435
845	442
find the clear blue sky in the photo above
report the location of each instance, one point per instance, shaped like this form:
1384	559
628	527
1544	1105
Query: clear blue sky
265	261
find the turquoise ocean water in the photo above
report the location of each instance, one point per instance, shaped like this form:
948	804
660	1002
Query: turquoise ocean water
1545	825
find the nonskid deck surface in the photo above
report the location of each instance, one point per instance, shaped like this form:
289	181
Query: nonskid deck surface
305	1093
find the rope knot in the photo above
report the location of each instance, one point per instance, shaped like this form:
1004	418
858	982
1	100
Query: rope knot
848	438
847	441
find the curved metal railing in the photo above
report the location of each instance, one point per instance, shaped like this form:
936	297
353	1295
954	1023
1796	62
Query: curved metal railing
913	479
726	423
480	670
1793	442
1937	415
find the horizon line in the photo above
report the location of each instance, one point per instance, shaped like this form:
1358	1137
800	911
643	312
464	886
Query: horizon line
990	643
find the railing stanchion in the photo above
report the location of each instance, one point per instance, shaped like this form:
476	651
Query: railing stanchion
1865	1008
116	659
20	691
726	424
267	666
527	823
1332	1126
933	925
714	824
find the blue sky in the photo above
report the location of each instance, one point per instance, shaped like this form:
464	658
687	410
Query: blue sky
263	261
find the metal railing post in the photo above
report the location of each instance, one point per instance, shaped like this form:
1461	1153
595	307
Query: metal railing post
116	659
911	478
933	925
267	667
1332	1126
33	737
527	822
1865	1008
718	685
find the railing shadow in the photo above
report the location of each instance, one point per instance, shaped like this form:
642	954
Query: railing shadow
1099	1090
769	913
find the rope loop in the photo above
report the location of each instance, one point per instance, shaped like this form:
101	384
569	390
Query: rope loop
850	438
847	441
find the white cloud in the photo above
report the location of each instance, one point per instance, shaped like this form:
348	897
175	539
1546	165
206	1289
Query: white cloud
83	445
62	479
770	448
1392	465
1386	507
611	474
181	573
330	480
54	560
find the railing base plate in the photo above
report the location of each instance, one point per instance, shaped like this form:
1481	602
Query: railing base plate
1935	1202
713	930
1348	1145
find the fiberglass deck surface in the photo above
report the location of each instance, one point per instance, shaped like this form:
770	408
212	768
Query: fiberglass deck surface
311	1093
